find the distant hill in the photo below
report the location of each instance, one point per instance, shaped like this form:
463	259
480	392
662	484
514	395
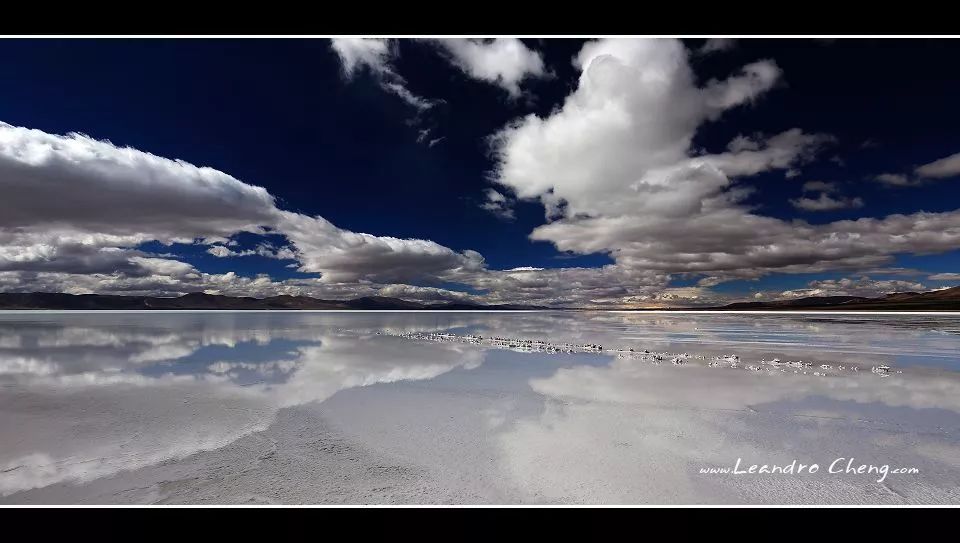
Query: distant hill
50	300
944	300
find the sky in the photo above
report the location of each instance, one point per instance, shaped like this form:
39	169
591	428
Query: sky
611	172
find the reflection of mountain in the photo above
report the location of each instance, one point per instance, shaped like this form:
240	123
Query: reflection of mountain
197	300
944	300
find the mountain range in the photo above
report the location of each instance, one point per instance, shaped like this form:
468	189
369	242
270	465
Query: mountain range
944	299
50	300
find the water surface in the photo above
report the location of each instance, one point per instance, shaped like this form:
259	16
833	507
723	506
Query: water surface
328	407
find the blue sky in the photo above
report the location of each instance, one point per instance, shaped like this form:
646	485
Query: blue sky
647	173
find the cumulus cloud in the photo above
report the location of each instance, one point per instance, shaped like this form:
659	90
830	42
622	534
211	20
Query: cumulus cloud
504	62
629	123
825	202
616	171
377	56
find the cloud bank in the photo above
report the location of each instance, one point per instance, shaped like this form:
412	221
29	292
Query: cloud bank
76	205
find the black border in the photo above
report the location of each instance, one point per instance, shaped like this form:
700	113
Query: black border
432	18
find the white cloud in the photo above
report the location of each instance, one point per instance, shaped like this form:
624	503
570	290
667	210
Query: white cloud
266	250
631	120
112	199
945	277
617	174
505	62
220	251
945	167
357	53
752	80
825	202
423	136
498	204
400	89
781	151
715	45
743	143
344	256
77	184
376	55
938	169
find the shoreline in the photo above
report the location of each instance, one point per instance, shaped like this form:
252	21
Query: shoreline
652	311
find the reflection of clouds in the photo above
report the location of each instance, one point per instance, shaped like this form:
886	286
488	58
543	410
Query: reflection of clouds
77	345
19	365
636	382
263	368
85	396
591	453
93	411
75	435
496	415
346	361
631	432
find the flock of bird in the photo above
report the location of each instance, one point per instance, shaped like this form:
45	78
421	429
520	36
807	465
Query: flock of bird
656	358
